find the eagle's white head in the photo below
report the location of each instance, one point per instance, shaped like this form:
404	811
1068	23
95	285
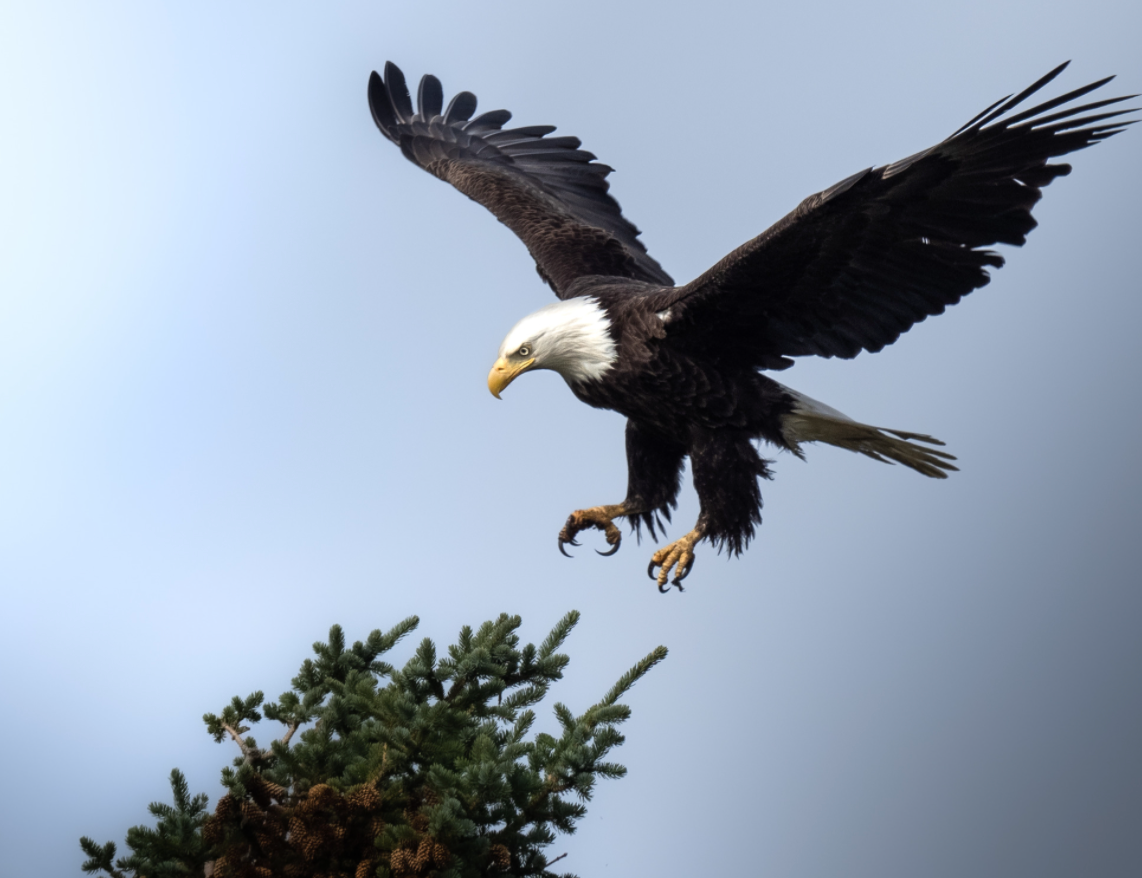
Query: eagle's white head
571	337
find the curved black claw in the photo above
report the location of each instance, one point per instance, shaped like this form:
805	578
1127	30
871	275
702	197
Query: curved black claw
650	573
613	548
678	579
664	587
570	542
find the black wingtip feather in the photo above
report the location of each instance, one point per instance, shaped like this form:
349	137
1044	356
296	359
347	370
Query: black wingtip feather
429	97
397	89
379	105
1093	105
493	120
1054	102
460	108
1022	96
1082	121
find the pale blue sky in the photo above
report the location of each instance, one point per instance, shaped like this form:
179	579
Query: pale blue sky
243	349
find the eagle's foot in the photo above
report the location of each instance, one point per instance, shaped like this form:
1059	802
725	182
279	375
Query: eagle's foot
597	516
678	556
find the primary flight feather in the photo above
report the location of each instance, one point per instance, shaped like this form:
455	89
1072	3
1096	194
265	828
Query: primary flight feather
849	270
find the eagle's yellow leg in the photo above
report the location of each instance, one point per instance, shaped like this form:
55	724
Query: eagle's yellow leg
597	516
678	556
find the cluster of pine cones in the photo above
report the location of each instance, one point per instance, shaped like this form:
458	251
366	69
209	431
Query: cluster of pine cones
410	861
322	833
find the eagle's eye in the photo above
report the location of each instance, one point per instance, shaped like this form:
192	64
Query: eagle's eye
524	351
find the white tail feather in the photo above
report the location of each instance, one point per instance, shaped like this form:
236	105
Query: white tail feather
813	421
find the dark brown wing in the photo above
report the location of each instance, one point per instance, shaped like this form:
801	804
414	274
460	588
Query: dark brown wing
552	194
855	266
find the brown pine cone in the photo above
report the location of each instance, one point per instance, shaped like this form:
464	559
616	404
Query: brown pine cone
423	854
369	797
441	856
212	830
501	856
276	791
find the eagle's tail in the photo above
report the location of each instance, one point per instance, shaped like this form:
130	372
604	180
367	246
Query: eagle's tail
813	421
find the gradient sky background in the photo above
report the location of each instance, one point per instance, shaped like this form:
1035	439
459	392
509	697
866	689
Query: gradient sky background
243	349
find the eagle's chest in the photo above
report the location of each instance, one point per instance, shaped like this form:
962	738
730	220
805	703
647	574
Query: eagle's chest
670	392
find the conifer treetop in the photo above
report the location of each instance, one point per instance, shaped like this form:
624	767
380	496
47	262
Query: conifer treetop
425	770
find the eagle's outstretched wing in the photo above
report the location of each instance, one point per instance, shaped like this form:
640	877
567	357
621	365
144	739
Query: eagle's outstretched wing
855	266
552	194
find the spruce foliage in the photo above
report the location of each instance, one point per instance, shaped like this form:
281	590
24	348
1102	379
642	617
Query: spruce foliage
174	847
431	773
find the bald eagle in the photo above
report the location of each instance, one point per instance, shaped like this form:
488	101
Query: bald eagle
849	270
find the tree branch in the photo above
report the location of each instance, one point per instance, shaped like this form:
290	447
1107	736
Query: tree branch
253	754
293	727
239	740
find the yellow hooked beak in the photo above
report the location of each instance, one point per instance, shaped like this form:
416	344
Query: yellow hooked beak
504	373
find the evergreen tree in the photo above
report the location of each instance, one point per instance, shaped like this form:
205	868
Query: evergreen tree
431	773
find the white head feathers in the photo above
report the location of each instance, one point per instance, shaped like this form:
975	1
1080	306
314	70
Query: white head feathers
570	337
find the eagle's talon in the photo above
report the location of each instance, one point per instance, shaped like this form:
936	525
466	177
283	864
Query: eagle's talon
677	557
600	517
